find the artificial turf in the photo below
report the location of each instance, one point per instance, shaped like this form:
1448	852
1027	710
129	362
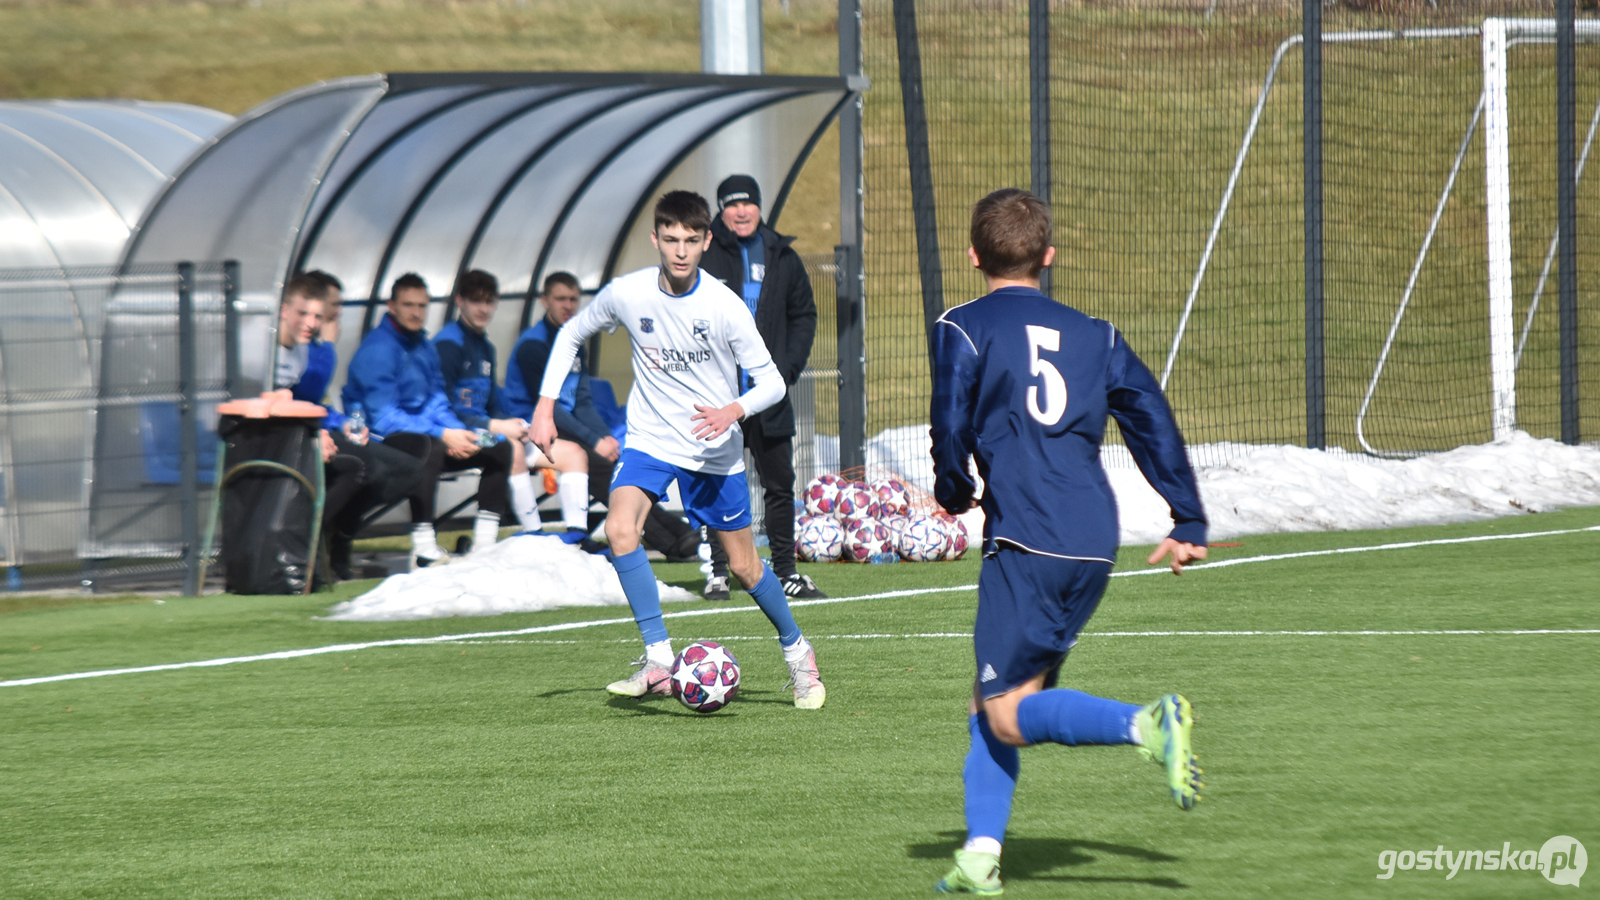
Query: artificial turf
498	767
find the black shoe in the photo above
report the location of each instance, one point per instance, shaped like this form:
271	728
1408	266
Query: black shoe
339	556
716	588
687	549
800	587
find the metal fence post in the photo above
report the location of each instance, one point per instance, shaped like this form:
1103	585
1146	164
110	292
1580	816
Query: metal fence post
189	437
1311	142
230	326
1039	110
850	298
919	159
1567	217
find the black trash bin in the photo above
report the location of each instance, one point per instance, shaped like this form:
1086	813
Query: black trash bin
270	517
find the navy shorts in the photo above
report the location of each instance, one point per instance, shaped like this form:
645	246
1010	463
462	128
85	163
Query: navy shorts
1030	610
719	502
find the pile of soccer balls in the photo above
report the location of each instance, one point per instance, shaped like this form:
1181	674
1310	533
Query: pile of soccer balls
856	521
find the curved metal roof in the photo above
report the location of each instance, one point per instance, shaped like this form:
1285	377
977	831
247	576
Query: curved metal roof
519	174
76	176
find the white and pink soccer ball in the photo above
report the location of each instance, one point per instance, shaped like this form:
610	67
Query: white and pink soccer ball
957	532
705	676
821	494
864	539
819	539
892	497
854	502
924	539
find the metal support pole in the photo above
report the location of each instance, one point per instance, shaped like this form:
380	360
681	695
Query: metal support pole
919	159
230	327
1567	215
189	433
850	303
1311	139
1039	109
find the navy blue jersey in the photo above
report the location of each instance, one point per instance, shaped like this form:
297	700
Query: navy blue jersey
467	362
1023	385
575	412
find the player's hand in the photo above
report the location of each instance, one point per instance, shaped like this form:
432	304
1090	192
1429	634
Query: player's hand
542	433
329	448
1182	554
513	429
608	448
459	443
713	421
357	437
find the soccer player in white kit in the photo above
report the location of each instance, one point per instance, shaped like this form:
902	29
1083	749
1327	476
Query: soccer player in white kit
691	335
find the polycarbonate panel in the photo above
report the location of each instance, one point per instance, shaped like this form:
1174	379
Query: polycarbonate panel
246	199
765	144
356	235
125	179
435	242
22	243
584	242
164	135
79	224
519	228
199	122
390	117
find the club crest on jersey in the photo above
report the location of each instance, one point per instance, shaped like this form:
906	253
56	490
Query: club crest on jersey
702	330
647	325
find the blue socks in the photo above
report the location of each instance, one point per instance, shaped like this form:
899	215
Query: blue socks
573	536
770	597
990	778
644	597
1074	718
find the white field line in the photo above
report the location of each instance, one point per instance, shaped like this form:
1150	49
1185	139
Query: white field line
912	592
729	638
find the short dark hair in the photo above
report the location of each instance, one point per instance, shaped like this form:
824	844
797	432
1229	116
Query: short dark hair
684	208
555	278
304	286
326	279
476	284
408	281
1011	232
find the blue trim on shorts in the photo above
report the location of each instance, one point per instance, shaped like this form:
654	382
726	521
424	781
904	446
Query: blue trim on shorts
1030	610
719	502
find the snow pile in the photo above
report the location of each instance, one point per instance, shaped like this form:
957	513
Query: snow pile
1260	489
526	573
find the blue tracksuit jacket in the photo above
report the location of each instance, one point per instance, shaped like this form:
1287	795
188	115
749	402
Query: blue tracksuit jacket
395	377
467	363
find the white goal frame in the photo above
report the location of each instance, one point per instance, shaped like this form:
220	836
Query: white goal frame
1497	35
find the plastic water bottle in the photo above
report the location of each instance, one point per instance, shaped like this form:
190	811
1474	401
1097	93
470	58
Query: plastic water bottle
879	559
13	578
358	423
486	438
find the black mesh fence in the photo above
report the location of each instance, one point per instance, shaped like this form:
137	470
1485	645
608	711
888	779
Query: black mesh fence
1177	190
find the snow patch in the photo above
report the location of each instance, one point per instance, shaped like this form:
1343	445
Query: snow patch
524	573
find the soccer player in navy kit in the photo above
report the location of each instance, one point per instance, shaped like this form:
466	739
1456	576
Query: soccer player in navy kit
1022	386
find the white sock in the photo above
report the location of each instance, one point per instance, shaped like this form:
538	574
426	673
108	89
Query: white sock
1133	733
796	651
485	530
573	489
423	541
982	845
659	652
524	502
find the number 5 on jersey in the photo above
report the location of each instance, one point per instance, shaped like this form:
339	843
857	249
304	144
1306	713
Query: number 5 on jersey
1054	390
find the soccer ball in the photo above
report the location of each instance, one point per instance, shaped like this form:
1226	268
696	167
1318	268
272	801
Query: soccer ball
821	494
924	540
957	530
819	539
854	502
705	676
892	497
864	539
897	526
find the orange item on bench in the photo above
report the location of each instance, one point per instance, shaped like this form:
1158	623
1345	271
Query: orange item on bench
271	405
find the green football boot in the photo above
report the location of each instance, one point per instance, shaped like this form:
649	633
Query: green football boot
974	873
1165	728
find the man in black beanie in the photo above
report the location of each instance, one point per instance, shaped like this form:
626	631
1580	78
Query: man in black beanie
758	264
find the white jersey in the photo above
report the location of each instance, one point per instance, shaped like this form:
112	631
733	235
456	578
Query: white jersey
687	350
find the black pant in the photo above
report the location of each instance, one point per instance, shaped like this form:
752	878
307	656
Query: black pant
663	531
364	477
494	487
774	464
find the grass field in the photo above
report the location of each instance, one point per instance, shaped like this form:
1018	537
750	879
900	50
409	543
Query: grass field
496	766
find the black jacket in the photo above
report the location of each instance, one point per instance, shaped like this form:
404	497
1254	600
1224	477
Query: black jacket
786	314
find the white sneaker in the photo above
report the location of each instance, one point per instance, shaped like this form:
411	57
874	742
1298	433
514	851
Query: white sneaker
652	678
807	683
716	588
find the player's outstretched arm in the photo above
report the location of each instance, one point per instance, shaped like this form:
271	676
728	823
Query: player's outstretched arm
542	431
1183	553
955	382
